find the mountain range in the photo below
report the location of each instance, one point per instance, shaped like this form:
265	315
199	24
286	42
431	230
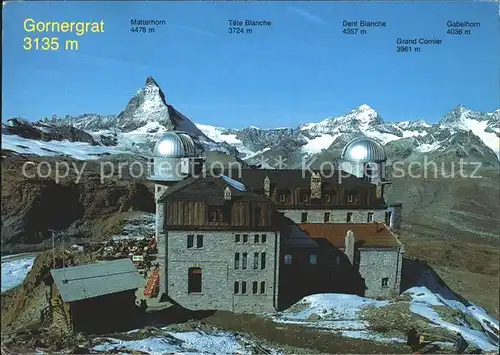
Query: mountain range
463	132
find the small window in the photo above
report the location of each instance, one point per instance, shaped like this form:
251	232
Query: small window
194	280
370	217
255	286
305	198
236	287
236	261
313	259
237	238
263	238
190	241
244	287
244	266
388	218
349	217
255	261
349	198
256	238
288	259
282	198
327	198
158	188
199	241
385	282
304	217
263	261
245	238
263	287
326	217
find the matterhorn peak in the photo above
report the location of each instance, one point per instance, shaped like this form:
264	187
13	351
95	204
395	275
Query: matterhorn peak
153	89
151	82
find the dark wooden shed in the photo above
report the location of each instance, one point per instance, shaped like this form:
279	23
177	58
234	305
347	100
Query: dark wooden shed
96	297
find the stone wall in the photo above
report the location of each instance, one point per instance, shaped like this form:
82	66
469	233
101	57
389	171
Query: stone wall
216	258
336	216
377	264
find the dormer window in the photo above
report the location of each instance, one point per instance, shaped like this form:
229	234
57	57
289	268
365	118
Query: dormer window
328	199
349	198
227	193
305	198
282	197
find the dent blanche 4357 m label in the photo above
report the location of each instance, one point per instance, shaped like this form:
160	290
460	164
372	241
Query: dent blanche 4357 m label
238	27
361	27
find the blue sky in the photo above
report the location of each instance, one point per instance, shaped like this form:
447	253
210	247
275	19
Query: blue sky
301	69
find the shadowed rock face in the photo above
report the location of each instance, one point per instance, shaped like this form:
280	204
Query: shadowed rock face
33	206
45	132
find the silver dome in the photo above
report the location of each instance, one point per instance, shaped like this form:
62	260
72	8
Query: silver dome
364	150
174	144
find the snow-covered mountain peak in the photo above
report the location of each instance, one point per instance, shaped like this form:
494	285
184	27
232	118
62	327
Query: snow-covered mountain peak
365	114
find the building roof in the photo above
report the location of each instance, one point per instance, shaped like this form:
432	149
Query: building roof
93	280
294	237
292	178
366	235
210	189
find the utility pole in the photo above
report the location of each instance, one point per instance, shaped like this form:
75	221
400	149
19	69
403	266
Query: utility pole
53	249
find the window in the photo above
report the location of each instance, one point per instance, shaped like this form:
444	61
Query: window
282	197
245	238
370	217
305	198
194	280
349	217
236	261
255	286
326	217
327	198
255	261
237	238
244	287
215	214
349	198
244	266
190	241
256	238
388	218
199	241
288	259
236	287
263	287
263	261
304	217
313	259
263	238
385	282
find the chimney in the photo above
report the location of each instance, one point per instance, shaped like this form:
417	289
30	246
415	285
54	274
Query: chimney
315	186
349	246
267	186
227	193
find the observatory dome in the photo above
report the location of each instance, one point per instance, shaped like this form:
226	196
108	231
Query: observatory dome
364	150
174	144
